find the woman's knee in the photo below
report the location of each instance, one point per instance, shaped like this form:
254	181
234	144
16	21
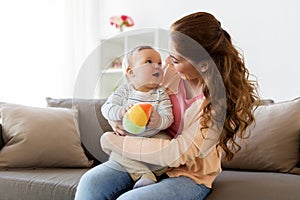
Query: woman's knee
88	179
101	175
88	186
106	181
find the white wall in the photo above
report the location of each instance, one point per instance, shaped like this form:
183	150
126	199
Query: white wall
36	37
43	44
32	50
267	31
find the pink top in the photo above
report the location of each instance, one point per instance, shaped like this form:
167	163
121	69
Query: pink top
180	104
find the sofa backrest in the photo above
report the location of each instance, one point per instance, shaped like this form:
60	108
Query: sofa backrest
273	143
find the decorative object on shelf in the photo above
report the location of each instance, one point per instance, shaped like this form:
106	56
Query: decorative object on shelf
120	21
117	63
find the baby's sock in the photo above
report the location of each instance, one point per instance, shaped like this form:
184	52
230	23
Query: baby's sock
143	182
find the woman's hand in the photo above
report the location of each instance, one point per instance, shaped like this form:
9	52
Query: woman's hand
117	127
111	142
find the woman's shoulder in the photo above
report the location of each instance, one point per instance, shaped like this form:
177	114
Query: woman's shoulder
195	110
197	105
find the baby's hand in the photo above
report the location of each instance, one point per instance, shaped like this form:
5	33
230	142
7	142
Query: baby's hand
155	120
123	111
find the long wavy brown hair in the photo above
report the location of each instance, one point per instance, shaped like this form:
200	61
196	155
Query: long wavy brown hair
239	94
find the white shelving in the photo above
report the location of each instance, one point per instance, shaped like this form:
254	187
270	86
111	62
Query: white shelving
112	71
118	46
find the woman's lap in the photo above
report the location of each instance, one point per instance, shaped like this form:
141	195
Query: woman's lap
110	180
105	181
168	189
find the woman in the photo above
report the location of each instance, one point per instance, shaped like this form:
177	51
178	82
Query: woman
212	105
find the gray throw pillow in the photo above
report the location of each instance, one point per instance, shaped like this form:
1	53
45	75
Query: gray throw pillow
273	144
91	124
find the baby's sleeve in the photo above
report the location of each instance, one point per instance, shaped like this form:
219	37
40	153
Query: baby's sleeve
164	108
113	105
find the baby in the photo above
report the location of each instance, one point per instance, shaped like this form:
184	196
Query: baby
144	74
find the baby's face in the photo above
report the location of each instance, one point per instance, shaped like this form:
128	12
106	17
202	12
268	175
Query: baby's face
146	72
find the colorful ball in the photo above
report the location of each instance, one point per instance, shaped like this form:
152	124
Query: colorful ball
137	117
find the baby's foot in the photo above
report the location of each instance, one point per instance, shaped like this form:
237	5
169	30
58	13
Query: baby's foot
143	182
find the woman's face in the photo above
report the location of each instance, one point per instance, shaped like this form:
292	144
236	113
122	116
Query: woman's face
183	67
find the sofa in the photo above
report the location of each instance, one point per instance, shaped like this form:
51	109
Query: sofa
45	151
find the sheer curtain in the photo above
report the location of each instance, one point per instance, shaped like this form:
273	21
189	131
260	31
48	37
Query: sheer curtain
83	31
43	45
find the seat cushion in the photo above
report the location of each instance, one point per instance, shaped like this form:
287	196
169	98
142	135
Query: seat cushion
237	185
46	184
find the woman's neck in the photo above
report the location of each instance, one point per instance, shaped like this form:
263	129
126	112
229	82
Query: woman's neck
193	88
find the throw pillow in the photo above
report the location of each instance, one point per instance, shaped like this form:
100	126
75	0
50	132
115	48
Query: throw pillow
91	123
40	137
273	144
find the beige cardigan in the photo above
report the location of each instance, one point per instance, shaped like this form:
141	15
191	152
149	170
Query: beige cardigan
188	155
192	154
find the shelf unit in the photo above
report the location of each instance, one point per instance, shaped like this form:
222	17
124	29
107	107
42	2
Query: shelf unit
117	47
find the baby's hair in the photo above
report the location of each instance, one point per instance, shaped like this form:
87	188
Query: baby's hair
127	61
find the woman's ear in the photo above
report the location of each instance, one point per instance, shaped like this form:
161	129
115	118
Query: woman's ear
203	66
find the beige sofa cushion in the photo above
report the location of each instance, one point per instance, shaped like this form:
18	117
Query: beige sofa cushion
40	137
273	144
245	185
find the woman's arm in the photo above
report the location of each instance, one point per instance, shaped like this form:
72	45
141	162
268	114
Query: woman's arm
173	153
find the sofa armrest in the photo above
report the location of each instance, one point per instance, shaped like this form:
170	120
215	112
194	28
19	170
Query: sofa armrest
1	138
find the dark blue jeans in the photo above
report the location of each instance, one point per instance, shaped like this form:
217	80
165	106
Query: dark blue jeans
110	181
